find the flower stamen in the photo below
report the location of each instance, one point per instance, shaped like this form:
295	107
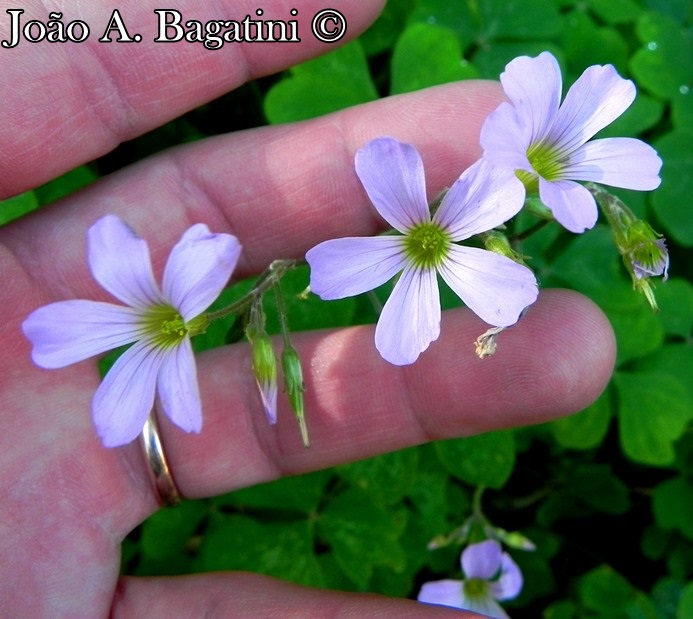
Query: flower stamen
427	245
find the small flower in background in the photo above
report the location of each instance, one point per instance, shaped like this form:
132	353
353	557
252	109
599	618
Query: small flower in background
157	322
490	576
547	143
493	286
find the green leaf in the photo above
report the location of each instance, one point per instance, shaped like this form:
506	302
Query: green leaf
459	17
591	264
492	58
564	609
310	312
674	360
362	535
672	200
382	34
675	300
166	533
664	65
643	114
281	549
682	110
588	428
615	11
605	592
425	56
519	19
485	459
653	412
302	493
639	331
685	608
681	11
332	82
672	503
15	207
597	486
587	44
387	478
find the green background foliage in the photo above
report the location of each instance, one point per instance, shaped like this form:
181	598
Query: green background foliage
607	495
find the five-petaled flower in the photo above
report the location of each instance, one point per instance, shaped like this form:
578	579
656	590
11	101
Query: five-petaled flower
157	322
496	288
490	575
547	142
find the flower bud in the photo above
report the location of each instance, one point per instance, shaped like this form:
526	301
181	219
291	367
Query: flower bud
265	370
498	243
643	250
294	387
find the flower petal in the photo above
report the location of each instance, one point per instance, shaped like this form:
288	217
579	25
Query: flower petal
177	387
392	174
484	605
198	268
483	197
509	584
482	560
619	162
442	592
494	287
595	100
345	267
66	332
119	260
534	86
125	397
505	138
410	320
572	205
268	395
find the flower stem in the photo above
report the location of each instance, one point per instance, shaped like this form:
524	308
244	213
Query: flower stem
274	272
533	229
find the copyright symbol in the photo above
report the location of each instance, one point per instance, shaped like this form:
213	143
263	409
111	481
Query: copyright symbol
329	26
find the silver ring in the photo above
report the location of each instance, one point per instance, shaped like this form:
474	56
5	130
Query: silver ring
165	488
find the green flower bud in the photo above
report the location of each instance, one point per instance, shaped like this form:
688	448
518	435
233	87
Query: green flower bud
643	250
294	387
498	243
265	370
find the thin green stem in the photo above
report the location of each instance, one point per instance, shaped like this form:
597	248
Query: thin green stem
267	280
281	312
533	229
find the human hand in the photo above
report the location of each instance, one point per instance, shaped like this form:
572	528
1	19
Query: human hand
67	502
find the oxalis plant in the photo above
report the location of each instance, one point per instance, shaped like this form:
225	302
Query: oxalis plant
539	164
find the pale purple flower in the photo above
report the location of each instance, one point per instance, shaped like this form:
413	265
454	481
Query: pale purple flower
493	286
490	576
650	259
548	142
157	322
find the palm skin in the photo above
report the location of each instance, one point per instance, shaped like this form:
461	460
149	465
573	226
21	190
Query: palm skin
66	502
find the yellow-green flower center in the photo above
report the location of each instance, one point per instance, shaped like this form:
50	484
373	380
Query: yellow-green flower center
476	588
164	326
546	162
427	245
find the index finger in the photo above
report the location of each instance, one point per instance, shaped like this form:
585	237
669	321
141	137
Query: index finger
74	101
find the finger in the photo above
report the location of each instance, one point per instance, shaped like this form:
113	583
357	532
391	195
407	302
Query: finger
554	362
249	596
280	190
72	102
